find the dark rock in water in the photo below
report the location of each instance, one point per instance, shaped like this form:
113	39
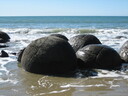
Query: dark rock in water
4	37
60	36
80	41
20	55
124	52
49	55
119	37
3	46
4	54
98	56
13	53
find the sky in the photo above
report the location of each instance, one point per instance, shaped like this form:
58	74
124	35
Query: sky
63	7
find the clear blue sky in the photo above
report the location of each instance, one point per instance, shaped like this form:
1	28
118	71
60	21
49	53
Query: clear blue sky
63	7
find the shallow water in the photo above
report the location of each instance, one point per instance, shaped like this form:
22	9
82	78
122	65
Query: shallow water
17	82
14	81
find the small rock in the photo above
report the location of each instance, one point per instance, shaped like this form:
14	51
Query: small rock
4	54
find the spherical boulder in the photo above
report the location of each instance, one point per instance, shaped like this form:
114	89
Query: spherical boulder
98	56
80	41
4	37
49	55
60	36
124	52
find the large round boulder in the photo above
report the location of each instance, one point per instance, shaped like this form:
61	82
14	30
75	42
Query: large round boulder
60	36
49	55
124	52
98	56
4	37
80	41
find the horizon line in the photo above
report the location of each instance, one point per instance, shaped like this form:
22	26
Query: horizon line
61	15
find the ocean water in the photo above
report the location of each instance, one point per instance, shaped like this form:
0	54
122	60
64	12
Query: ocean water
14	81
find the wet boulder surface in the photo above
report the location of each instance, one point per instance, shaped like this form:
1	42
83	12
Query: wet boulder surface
80	41
49	55
98	56
124	52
